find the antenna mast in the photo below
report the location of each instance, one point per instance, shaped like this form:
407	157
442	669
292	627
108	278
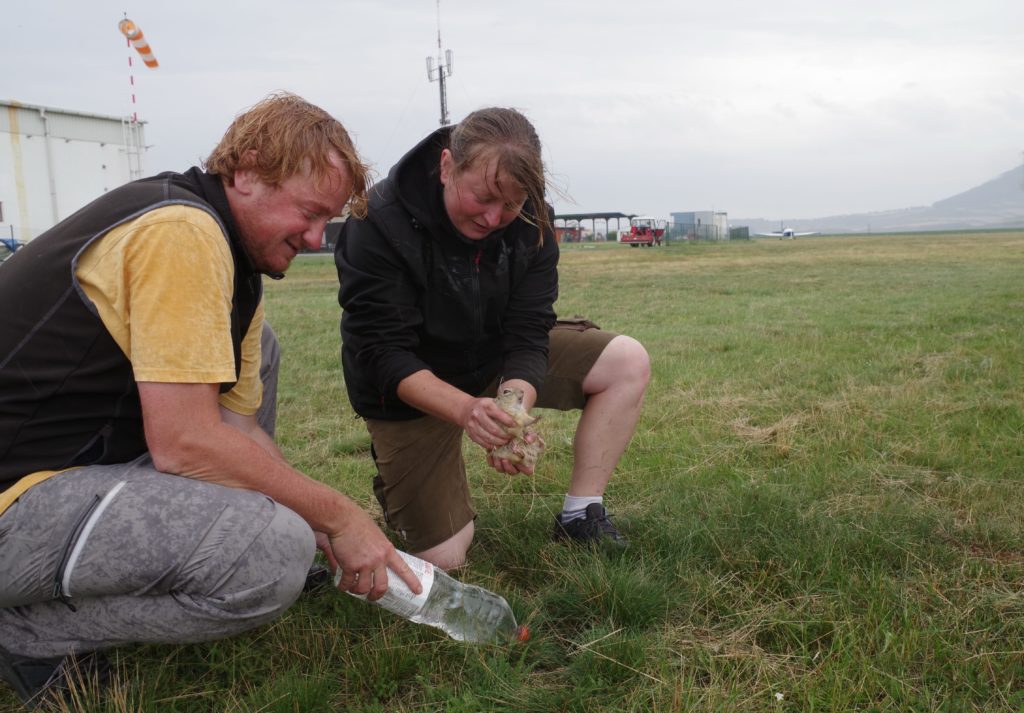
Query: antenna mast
444	69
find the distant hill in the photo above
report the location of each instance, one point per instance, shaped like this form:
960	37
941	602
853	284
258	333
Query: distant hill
998	203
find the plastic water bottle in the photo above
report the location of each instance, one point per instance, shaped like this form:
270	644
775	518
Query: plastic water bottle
463	611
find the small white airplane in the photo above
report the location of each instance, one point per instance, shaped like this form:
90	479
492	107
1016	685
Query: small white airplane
784	233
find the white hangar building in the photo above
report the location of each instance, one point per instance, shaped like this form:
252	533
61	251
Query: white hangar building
54	161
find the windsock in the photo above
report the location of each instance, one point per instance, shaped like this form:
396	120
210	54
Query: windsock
130	30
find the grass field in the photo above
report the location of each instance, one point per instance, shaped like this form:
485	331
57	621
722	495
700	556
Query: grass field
825	500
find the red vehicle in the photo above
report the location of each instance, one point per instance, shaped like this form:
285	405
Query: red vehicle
644	230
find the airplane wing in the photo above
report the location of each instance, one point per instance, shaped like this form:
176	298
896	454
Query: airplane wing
784	234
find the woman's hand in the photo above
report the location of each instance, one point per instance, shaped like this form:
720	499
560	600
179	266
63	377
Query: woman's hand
485	423
503	465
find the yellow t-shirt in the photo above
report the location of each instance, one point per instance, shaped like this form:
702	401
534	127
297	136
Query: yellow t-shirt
162	286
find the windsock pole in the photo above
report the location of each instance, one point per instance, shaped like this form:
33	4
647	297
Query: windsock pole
135	38
131	82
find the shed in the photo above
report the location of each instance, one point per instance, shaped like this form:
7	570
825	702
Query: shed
700	225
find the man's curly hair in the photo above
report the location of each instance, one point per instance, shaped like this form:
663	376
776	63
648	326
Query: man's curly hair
284	135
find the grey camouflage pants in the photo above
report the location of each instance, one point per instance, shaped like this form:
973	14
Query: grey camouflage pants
112	554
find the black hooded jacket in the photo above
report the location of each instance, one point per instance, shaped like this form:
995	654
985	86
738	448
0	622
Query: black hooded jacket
418	295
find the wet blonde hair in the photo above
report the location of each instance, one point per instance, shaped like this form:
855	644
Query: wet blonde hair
285	131
508	138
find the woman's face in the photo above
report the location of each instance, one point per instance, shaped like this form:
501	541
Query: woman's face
479	200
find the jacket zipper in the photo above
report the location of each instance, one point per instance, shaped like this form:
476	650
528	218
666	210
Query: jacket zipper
477	308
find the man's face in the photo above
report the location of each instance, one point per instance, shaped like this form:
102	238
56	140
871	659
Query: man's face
480	200
276	222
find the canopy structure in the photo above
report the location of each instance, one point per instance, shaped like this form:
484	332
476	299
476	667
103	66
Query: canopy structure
594	217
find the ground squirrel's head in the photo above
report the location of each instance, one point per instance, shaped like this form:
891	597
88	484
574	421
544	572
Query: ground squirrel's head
510	398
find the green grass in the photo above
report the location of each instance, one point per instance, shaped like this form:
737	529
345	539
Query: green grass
825	499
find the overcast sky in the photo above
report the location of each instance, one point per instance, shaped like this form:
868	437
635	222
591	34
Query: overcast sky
779	109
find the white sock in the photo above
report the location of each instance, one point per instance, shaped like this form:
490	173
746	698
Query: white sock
575	506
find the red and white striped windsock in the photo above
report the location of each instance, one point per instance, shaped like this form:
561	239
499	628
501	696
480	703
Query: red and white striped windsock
130	30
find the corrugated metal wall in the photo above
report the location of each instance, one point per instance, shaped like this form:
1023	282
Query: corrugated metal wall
54	161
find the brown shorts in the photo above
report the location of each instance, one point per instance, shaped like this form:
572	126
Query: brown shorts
421	476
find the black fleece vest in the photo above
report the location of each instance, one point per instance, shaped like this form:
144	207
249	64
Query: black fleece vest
68	395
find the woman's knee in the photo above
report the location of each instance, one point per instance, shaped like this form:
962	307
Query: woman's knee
450	554
623	363
636	359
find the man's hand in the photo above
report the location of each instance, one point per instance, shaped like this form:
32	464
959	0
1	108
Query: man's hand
365	555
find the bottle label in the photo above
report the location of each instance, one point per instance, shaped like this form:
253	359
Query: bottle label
399	598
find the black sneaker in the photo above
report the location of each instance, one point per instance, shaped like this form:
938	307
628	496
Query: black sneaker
39	681
593	528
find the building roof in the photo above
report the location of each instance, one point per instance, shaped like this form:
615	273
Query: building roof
33	120
593	216
58	110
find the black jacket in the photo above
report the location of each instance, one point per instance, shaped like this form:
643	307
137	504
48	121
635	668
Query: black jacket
417	295
68	395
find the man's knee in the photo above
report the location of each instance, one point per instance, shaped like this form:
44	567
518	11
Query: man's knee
294	545
274	570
